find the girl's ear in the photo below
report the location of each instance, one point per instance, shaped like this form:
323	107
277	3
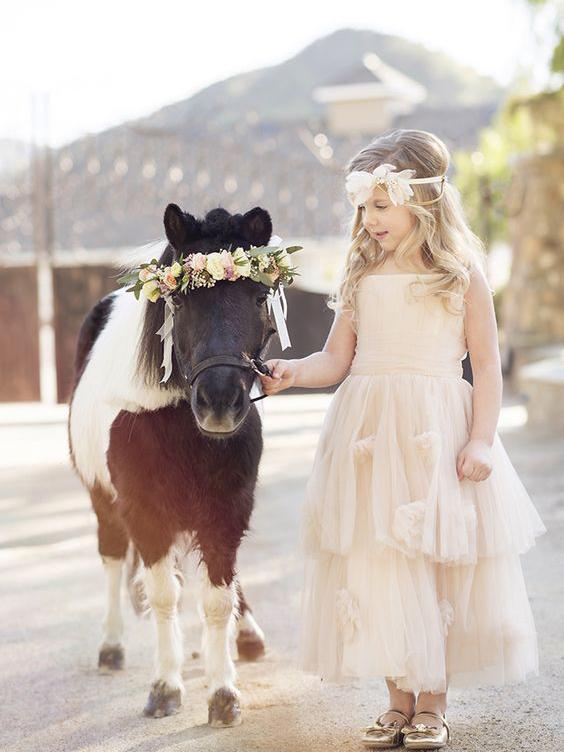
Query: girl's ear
257	226
180	227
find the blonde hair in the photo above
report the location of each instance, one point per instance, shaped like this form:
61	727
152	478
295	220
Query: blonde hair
447	243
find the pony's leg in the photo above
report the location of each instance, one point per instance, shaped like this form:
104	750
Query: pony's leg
163	588
250	637
217	604
112	546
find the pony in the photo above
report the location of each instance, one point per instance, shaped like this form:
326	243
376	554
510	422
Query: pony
171	466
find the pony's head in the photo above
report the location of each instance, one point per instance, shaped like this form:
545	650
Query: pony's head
228	319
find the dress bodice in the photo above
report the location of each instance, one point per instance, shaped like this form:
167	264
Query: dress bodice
399	332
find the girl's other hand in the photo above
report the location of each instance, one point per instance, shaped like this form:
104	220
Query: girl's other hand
283	376
474	461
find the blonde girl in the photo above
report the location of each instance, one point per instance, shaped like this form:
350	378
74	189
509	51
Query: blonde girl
414	518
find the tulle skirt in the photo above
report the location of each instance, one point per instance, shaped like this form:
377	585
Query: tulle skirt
410	573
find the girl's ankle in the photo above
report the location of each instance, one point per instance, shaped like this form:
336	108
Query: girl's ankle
403	706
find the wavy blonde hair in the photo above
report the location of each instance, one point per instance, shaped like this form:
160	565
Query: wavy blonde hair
447	243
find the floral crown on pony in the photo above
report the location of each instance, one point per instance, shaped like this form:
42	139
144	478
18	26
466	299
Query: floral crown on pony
269	265
359	184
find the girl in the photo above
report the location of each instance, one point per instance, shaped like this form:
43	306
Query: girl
414	517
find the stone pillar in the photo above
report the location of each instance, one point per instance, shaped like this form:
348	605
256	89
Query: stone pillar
533	305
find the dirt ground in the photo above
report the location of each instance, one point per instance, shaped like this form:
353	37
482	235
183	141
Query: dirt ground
52	598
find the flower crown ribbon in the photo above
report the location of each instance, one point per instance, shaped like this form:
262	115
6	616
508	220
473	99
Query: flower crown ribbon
267	264
359	184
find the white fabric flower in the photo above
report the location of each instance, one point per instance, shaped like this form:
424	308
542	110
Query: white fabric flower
428	444
359	184
407	526
364	447
447	615
348	614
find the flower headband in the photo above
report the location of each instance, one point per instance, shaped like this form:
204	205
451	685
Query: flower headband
359	184
269	265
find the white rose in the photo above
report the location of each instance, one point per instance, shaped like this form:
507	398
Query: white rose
283	260
242	262
151	290
214	265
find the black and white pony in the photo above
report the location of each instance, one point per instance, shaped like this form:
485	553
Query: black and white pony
172	466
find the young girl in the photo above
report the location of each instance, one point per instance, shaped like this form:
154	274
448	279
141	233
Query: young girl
414	517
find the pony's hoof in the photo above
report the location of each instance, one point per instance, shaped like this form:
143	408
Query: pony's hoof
249	645
162	700
110	658
223	709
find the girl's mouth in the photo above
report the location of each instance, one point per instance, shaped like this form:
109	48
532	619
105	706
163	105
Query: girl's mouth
380	235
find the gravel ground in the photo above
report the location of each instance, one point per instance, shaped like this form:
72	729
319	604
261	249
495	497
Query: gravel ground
52	595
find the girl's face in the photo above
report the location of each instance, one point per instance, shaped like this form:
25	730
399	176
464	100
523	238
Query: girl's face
386	223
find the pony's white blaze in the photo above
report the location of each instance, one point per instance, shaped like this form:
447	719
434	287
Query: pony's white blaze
109	384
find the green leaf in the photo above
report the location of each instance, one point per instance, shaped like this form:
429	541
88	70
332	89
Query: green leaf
137	292
294	248
264	279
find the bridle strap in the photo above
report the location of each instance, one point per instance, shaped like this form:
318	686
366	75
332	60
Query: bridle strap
253	364
217	360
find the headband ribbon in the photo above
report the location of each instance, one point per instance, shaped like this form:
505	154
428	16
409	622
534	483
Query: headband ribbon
359	184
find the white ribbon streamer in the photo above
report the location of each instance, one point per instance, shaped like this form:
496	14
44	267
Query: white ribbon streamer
165	333
277	302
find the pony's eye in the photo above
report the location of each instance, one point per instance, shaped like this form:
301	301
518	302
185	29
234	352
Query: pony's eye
261	299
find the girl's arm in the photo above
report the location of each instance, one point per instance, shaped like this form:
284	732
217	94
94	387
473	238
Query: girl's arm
481	337
324	368
483	347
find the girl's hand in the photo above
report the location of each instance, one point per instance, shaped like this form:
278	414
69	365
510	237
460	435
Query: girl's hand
474	461
283	376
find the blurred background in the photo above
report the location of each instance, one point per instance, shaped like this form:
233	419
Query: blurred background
113	111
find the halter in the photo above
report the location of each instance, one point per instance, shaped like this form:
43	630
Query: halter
244	361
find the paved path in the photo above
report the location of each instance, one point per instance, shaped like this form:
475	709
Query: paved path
52	599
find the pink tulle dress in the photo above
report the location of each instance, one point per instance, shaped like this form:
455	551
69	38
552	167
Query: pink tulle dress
409	572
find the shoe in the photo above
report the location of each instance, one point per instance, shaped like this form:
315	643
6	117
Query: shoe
385	735
422	736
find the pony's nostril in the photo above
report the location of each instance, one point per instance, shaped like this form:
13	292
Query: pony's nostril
236	399
203	398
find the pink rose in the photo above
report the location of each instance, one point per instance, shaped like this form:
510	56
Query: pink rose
228	265
170	280
198	262
145	274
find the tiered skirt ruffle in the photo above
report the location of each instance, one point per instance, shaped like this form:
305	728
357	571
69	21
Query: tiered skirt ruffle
411	573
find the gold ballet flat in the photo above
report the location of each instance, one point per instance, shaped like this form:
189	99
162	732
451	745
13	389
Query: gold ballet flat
422	736
385	735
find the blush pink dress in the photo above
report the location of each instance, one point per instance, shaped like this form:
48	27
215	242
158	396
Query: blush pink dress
411	573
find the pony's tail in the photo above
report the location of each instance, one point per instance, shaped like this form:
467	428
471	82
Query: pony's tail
135	572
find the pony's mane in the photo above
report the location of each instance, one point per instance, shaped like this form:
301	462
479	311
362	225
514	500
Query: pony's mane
150	351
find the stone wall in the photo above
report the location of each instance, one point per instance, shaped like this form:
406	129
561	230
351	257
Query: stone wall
533	305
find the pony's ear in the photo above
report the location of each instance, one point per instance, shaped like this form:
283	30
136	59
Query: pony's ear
257	226
180	227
